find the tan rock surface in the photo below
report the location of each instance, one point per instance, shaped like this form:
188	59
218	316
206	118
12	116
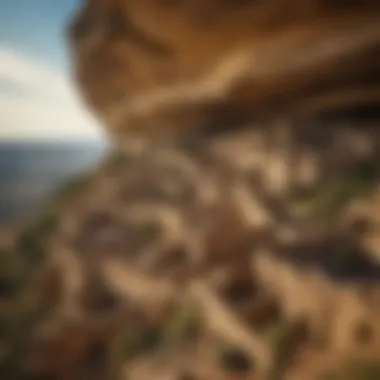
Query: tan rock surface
231	233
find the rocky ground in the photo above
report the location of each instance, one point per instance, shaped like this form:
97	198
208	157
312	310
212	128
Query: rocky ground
78	303
233	231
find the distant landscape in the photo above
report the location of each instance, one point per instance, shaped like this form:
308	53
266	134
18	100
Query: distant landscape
31	172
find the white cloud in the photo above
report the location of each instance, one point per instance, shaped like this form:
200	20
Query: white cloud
47	105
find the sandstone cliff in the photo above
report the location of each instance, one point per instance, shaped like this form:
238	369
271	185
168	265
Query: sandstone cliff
233	231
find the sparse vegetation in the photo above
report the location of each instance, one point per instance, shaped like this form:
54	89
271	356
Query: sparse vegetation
72	187
183	325
233	101
357	371
327	199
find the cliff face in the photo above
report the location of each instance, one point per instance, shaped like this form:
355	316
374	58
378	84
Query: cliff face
233	231
151	66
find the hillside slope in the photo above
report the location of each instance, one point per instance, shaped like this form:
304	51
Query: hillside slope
233	231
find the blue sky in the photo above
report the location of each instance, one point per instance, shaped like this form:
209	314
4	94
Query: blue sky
37	98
